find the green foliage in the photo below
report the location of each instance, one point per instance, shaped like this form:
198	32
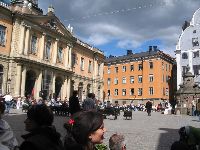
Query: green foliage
101	147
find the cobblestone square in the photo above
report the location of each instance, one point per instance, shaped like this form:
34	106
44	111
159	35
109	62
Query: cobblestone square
156	132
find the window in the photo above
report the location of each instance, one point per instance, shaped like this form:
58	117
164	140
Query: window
73	59
139	79
124	80
139	91
131	79
195	54
99	68
132	67
140	67
184	69
195	42
167	78
33	49
184	56
108	70
82	64
109	81
116	81
116	69
132	91
60	54
167	92
151	65
151	78
124	68
163	78
166	67
163	67
116	92
2	35
151	91
123	92
90	67
48	49
108	92
164	91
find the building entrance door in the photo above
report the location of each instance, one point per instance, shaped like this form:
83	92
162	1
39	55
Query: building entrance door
30	83
58	85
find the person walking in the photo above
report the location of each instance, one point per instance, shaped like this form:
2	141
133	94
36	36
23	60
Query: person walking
89	102
85	129
7	138
74	105
7	98
148	107
42	134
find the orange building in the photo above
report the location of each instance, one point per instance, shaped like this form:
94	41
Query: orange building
139	77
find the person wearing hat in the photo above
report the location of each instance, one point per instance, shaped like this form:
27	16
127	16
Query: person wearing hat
42	134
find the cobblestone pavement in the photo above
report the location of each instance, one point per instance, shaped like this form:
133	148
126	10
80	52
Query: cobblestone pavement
156	132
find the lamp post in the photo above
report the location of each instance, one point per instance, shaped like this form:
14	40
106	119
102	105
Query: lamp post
8	85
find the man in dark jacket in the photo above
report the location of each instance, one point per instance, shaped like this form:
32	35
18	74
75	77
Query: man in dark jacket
42	135
74	105
149	107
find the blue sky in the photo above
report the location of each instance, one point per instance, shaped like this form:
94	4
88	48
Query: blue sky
115	26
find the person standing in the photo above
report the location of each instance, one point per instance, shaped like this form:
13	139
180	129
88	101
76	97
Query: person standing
42	134
74	105
8	98
89	102
148	107
7	139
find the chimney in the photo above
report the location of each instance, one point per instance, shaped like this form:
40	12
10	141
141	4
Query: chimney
155	48
150	49
129	52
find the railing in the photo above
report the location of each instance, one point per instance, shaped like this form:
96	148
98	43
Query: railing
4	5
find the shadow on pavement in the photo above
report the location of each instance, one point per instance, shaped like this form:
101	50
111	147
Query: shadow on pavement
167	138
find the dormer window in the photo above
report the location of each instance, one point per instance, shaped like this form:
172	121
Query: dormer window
184	56
194	31
195	42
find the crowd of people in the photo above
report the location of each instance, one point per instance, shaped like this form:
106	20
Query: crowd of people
84	129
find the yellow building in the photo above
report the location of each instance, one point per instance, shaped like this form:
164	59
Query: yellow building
87	65
36	53
139	77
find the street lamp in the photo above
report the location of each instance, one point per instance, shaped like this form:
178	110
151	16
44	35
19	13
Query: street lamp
8	85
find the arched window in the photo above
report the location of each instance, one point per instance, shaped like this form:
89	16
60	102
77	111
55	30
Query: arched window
184	56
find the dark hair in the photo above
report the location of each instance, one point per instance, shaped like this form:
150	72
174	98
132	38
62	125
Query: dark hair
178	145
85	122
2	107
75	93
41	114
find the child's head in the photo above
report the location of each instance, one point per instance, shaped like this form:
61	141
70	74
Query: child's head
117	142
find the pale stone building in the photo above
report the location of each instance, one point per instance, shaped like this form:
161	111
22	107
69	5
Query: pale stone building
188	49
36	53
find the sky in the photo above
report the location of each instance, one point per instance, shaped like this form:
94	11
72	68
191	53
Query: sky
115	26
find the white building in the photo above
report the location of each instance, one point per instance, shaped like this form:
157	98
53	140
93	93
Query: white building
187	49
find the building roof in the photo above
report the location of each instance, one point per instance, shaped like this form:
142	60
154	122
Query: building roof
140	56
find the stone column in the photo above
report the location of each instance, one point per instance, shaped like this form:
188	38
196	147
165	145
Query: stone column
42	47
65	61
18	80
68	87
23	81
22	39
55	51
38	84
69	56
64	89
53	83
27	41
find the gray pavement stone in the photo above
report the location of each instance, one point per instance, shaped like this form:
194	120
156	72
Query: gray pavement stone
156	132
